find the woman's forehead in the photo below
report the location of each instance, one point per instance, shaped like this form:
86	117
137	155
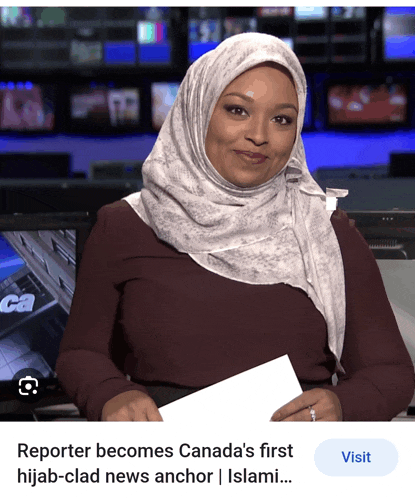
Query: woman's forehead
272	64
260	70
297	83
263	80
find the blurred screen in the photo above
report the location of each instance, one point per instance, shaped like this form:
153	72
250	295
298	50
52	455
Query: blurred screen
154	43
154	13
151	32
16	17
309	13
119	53
205	12
275	11
235	25
399	33
86	52
162	97
27	106
348	12
367	104
204	35
50	16
100	106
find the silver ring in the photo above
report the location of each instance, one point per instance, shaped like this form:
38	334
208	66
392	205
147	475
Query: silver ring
313	414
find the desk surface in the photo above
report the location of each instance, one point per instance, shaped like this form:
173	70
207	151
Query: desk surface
68	412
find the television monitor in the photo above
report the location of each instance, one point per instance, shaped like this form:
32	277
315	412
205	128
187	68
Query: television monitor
86	52
348	13
204	35
17	17
120	53
163	94
50	17
399	34
39	258
27	106
276	21
311	13
154	35
154	13
275	11
367	103
349	35
154	45
104	107
236	25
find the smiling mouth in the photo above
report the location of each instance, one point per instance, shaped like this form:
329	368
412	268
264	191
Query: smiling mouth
253	157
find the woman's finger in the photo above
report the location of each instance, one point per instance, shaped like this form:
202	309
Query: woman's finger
299	403
301	416
154	414
324	402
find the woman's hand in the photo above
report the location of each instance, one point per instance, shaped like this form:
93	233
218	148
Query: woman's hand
131	406
324	402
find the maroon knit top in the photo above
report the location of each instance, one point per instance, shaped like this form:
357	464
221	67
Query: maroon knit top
142	308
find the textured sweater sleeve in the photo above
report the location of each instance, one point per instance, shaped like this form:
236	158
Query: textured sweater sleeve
379	379
85	367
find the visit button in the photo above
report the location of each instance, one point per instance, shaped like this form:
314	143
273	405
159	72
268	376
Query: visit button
356	457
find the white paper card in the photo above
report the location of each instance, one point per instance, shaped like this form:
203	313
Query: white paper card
331	203
251	396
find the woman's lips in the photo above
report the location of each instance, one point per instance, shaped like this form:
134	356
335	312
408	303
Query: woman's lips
253	157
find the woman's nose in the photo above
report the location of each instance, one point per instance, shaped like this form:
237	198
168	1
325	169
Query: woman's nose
257	131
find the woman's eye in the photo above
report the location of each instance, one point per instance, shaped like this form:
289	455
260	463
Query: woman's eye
236	110
283	120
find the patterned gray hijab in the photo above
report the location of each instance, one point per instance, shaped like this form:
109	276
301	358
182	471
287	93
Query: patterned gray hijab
277	232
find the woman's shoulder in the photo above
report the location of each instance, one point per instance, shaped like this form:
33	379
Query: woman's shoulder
118	208
124	229
119	222
119	214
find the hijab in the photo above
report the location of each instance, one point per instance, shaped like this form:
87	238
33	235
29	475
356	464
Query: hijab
277	232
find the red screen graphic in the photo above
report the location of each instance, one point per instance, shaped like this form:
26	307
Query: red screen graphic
360	104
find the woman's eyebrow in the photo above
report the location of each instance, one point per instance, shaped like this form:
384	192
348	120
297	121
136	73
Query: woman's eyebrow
241	95
249	99
287	105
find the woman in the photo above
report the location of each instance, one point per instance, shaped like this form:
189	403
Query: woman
228	258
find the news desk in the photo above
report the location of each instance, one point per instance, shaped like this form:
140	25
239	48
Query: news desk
68	412
57	409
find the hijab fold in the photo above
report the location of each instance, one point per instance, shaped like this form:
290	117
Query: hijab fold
277	232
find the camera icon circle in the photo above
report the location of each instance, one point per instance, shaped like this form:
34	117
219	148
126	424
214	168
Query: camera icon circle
27	385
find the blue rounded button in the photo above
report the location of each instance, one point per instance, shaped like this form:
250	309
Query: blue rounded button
356	457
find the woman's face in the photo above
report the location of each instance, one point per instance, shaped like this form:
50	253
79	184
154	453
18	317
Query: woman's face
253	126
